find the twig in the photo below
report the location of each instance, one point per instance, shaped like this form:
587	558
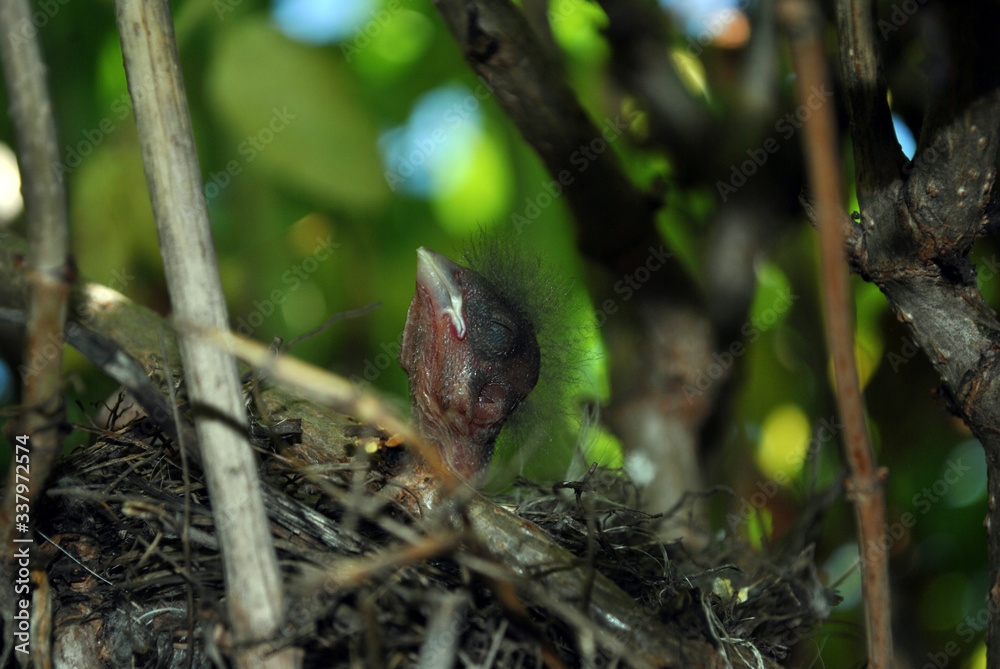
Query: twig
71	557
332	390
866	485
253	584
354	313
186	478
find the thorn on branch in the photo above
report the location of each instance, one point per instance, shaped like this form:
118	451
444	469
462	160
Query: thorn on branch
853	234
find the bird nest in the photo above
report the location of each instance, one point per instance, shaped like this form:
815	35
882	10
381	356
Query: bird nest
135	577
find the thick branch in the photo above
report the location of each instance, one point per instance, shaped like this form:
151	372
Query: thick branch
953	170
919	222
918	226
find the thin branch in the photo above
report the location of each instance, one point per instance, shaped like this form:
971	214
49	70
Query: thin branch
878	158
49	268
866	486
253	583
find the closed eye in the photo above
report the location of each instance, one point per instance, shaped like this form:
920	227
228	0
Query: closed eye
500	337
504	326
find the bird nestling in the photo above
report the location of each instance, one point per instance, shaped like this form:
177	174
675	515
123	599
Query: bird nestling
471	350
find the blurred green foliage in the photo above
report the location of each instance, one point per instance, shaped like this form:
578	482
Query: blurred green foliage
293	140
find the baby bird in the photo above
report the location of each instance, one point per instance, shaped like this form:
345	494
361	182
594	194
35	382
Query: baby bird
471	356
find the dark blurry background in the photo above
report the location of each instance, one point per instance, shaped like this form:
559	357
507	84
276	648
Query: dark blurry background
337	137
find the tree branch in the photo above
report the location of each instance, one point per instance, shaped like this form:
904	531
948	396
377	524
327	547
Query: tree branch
919	220
866	486
253	584
615	220
50	270
878	158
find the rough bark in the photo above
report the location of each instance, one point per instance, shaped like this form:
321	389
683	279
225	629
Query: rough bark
919	219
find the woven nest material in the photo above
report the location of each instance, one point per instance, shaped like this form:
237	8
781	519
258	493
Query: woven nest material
135	577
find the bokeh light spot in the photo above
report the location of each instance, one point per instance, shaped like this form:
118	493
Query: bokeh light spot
433	150
11	204
905	136
322	22
311	233
784	442
964	472
477	194
404	38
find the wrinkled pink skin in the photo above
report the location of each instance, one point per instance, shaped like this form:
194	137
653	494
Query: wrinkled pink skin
471	358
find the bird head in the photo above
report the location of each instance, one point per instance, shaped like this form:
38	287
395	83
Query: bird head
471	357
